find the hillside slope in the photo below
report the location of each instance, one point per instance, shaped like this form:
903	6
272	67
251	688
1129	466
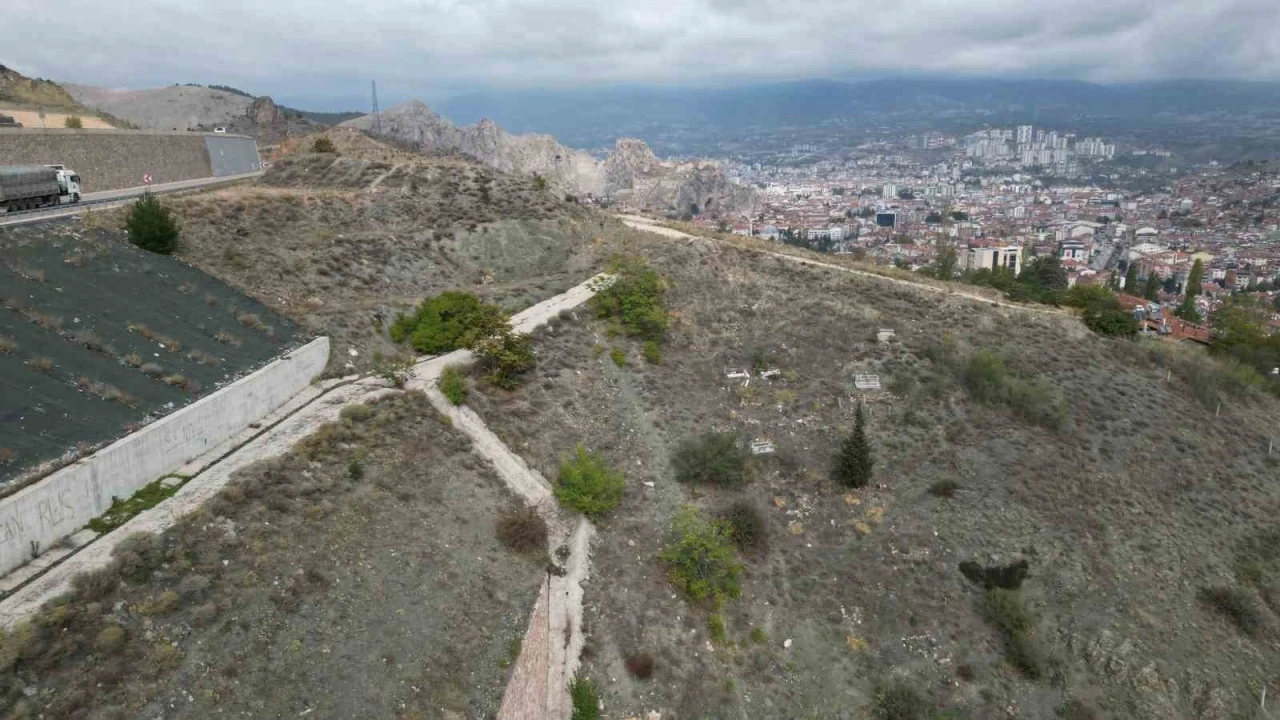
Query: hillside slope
342	243
166	108
33	92
1002	436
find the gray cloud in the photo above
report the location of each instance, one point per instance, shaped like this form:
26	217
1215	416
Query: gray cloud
309	51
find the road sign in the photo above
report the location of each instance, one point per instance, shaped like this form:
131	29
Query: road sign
146	179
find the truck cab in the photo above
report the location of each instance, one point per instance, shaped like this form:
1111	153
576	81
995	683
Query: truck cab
68	183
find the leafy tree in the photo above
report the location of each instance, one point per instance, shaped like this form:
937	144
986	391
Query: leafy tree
945	267
323	144
700	557
711	458
453	383
1131	279
73	122
854	463
587	484
152	225
1102	312
1240	331
1151	290
539	182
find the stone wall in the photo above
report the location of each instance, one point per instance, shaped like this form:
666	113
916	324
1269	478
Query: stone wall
36	517
114	159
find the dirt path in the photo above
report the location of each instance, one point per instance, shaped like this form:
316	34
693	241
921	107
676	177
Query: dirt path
378	180
642	223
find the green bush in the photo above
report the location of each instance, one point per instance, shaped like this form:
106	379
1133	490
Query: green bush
618	357
586	701
700	557
506	357
453	383
711	458
986	376
152	225
635	299
73	122
1109	321
448	321
716	627
652	352
323	144
587	484
1005	611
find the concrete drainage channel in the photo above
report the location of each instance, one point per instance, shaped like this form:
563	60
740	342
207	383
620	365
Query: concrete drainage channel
549	655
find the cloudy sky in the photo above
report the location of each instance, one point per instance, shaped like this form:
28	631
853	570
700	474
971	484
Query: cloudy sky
322	53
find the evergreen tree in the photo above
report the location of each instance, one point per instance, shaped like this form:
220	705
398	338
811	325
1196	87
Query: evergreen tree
1187	310
152	225
853	464
1152	289
1131	279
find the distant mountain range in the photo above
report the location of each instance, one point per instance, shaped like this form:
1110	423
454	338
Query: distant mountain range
593	117
631	173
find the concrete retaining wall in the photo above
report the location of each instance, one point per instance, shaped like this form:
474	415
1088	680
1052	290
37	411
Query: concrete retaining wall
232	154
114	159
67	500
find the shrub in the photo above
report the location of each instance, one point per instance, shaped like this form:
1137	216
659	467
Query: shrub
586	701
618	357
323	144
716	627
986	376
749	528
640	666
7	345
1235	604
1005	611
152	226
900	701
700	558
506	357
854	463
395	370
453	383
448	321
73	122
635	299
712	458
652	352
358	412
522	530
944	488
41	364
587	484
355	469
109	639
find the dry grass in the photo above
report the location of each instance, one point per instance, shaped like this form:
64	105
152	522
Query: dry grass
7	345
40	364
522	530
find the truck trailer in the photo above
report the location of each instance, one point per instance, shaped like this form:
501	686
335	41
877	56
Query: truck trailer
25	187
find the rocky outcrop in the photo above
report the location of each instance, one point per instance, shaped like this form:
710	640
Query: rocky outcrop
263	111
632	174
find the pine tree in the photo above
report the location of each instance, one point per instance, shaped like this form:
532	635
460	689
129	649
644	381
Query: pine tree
1131	279
1187	310
1152	289
853	464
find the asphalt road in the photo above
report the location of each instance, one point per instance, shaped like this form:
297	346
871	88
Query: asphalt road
115	198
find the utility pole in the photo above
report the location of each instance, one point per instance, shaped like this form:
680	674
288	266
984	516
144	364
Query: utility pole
377	118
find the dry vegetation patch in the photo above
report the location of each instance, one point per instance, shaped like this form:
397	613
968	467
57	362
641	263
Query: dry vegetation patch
299	589
1086	457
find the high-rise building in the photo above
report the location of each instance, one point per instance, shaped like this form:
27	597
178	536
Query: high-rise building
1024	134
889	190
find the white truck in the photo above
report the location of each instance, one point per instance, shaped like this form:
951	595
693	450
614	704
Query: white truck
25	187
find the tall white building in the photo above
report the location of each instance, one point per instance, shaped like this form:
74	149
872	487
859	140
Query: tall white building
889	190
1024	134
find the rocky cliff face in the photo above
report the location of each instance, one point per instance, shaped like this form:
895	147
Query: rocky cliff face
632	173
263	111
